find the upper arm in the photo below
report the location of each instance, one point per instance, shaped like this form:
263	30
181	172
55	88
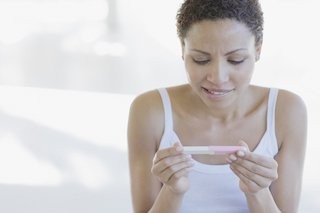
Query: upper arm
143	133
291	130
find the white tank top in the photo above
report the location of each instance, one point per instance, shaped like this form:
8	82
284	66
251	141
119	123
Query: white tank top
215	188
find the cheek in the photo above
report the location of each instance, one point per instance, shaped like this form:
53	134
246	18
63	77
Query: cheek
194	74
244	74
191	71
190	75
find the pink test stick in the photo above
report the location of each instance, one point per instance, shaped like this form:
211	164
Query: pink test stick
212	150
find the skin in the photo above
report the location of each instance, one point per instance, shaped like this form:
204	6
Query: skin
217	107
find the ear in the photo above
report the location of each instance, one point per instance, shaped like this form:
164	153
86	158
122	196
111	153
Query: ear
182	49
258	51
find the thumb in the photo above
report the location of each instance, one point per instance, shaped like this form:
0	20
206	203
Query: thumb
244	144
178	146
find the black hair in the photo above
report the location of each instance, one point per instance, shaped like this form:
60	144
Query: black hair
247	12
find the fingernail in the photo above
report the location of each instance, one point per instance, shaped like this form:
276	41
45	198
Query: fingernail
245	149
178	148
233	157
240	153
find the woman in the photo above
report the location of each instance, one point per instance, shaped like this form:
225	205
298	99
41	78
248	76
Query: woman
221	41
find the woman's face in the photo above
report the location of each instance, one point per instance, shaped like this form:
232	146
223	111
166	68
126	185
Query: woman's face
219	58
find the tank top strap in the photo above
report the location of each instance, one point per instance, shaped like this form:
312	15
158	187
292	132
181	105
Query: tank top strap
272	102
167	109
271	143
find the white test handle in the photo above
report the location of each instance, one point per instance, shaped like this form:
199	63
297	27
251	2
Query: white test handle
212	150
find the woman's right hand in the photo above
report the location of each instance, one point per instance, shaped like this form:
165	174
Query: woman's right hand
171	166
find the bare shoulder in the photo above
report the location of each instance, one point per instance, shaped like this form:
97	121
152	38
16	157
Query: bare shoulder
290	98
147	102
291	106
145	123
291	116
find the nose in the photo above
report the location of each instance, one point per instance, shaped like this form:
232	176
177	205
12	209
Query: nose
218	73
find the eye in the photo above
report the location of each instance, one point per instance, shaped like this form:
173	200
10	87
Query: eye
236	62
201	62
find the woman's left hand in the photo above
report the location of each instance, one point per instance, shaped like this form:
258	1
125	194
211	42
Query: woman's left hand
256	172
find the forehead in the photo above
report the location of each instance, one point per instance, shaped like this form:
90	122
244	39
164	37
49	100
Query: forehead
222	34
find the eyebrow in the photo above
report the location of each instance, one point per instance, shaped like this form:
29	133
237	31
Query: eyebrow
200	51
236	50
228	53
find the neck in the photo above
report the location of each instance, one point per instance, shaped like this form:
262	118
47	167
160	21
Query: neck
222	114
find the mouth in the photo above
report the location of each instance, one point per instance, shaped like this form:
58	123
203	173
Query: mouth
217	92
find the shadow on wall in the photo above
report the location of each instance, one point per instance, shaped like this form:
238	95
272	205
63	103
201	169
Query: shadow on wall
84	177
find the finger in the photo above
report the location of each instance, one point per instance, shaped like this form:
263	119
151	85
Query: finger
169	161
248	176
244	144
179	174
250	186
258	159
249	167
171	171
241	153
163	153
261	160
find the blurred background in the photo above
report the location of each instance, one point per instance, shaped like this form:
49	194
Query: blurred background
69	70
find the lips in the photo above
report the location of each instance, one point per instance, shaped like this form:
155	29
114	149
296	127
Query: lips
217	92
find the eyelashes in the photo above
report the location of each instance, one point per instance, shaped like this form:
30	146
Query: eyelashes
204	62
201	62
235	62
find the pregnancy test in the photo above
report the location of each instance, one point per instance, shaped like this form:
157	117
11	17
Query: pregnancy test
212	150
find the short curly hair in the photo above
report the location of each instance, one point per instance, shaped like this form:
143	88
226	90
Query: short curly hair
247	12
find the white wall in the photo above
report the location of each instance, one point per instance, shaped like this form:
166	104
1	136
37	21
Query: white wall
69	70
